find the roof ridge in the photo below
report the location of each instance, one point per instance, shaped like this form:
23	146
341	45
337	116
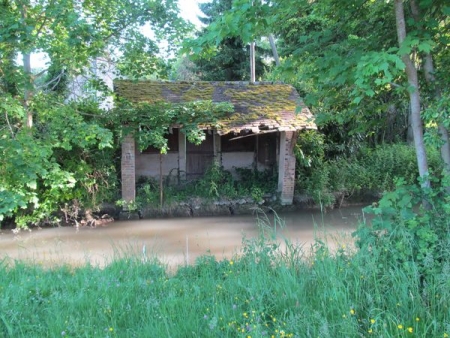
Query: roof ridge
209	82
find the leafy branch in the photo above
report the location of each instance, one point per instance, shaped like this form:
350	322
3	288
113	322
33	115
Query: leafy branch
151	122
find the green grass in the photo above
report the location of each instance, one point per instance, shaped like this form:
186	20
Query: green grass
265	291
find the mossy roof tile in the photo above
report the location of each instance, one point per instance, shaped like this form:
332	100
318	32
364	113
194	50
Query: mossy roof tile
262	104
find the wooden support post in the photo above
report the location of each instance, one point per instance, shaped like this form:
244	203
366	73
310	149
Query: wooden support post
128	168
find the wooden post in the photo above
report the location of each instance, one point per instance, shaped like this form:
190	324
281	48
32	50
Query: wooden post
181	156
160	181
128	169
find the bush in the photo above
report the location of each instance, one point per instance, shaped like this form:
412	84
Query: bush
372	170
147	191
66	158
214	184
409	230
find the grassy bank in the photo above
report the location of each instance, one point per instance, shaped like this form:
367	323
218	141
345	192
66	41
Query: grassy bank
262	292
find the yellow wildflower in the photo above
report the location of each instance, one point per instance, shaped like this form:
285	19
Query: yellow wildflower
352	312
400	326
372	321
410	329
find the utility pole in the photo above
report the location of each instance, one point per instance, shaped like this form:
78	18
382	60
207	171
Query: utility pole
252	62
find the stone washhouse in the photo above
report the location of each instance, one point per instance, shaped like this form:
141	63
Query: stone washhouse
261	132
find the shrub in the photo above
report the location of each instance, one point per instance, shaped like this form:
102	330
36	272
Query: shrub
373	170
409	230
215	183
147	191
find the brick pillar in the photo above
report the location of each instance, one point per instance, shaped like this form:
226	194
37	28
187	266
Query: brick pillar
128	169
286	167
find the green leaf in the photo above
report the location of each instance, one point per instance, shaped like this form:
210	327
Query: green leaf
357	100
425	46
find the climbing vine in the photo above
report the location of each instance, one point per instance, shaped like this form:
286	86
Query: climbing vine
151	122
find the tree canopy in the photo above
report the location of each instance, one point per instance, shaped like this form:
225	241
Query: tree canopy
348	61
53	150
230	60
371	71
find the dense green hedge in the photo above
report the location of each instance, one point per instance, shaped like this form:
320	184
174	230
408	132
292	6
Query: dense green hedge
370	170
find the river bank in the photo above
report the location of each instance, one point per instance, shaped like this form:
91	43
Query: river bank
203	207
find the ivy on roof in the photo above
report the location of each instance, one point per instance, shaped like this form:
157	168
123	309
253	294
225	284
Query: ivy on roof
151	122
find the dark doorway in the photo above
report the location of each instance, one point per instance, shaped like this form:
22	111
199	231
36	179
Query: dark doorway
267	149
199	158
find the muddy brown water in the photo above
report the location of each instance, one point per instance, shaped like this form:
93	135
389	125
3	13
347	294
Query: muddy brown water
174	241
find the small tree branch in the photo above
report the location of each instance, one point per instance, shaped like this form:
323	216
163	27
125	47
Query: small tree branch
57	79
9	125
393	84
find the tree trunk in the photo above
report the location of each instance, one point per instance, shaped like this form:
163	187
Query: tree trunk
428	67
414	97
28	91
443	132
274	49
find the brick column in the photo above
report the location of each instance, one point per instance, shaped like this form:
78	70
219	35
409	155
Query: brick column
128	169
286	167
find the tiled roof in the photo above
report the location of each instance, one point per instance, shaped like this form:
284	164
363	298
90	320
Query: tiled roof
257	106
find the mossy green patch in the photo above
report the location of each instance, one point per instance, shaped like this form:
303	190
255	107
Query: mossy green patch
255	104
199	91
264	100
151	92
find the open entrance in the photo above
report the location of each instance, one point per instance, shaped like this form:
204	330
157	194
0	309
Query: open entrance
199	158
